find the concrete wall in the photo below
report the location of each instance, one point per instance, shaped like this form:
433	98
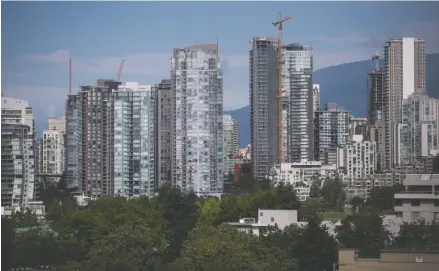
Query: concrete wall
389	261
281	218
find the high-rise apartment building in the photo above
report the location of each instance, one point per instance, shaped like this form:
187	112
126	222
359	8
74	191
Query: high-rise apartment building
163	129
377	99
331	130
405	74
359	162
298	87
417	135
111	139
264	105
134	139
316	97
18	148
95	138
71	143
52	149
230	145
197	119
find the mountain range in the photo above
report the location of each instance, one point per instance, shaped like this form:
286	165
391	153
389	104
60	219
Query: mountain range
344	84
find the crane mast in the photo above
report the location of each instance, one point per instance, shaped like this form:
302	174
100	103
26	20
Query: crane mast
119	72
278	24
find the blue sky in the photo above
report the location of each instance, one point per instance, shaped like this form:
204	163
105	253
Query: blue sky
39	38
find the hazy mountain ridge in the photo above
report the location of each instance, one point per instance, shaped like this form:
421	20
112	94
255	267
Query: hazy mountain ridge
345	84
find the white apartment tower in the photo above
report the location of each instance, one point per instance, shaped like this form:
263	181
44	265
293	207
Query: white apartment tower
18	148
316	97
404	74
197	119
51	149
359	161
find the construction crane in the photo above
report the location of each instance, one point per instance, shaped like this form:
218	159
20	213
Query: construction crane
119	72
70	76
376	58
278	24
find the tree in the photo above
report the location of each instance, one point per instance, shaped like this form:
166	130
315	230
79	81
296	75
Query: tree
180	212
381	198
8	247
210	210
25	218
333	193
129	247
36	247
363	231
224	248
314	248
418	235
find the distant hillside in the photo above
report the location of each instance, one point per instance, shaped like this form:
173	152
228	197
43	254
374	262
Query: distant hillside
345	84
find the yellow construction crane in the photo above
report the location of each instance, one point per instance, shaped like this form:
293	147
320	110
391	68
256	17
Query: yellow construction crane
278	24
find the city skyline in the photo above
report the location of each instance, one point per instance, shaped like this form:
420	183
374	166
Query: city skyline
35	64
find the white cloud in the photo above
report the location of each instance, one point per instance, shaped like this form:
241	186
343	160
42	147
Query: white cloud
135	64
45	100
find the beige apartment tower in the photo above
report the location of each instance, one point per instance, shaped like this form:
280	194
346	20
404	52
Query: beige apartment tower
404	74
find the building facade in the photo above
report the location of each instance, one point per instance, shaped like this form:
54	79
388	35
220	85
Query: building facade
17	166
420	199
377	99
197	132
18	152
95	138
264	105
301	175
52	149
401	260
417	135
316	97
230	145
134	140
331	130
297	83
163	131
359	162
404	74
71	143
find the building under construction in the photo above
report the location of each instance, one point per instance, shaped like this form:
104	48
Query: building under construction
264	106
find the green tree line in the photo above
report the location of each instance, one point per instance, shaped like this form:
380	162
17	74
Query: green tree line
180	231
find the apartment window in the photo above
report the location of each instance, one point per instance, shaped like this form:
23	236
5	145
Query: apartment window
272	219
416	202
398	202
415	215
436	215
261	214
398	214
436	202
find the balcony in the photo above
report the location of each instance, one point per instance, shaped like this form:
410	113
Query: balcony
417	195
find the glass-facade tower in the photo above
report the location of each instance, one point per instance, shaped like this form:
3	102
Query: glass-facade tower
134	140
298	87
197	137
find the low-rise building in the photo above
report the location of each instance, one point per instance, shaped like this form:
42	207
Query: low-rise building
301	175
398	260
280	218
36	207
420	199
249	225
